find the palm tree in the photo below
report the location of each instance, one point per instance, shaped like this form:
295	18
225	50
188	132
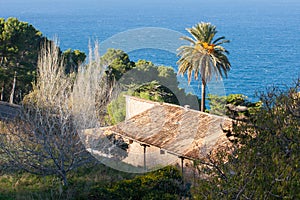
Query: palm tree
204	56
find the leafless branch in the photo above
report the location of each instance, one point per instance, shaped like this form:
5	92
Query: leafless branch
45	138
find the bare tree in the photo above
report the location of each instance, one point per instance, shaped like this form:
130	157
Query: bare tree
93	89
44	139
89	90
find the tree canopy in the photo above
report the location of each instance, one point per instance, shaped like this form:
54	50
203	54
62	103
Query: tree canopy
236	106
265	163
117	63
20	44
73	59
145	80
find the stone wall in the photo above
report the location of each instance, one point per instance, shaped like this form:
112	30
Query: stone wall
8	111
136	106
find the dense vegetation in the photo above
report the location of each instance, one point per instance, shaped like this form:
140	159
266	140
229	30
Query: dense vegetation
263	165
236	106
165	183
147	81
20	45
97	182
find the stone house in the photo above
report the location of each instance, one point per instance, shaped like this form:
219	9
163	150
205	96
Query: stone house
160	134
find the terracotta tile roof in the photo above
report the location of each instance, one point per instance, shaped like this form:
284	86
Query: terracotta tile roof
178	130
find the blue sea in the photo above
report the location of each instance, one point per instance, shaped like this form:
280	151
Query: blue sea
264	34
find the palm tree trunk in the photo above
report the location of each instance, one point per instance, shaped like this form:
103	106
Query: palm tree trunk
203	96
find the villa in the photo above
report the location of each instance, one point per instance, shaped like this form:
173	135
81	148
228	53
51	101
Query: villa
161	134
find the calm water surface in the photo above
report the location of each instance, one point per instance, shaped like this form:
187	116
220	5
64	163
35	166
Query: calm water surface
264	35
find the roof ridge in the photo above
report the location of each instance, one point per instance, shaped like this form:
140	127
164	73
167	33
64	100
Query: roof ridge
155	103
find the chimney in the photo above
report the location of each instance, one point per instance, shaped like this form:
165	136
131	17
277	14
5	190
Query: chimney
186	107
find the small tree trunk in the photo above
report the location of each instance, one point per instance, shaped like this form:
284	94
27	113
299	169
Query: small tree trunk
65	180
203	96
2	92
11	99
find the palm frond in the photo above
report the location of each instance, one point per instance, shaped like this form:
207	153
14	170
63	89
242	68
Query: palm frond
222	42
188	39
218	39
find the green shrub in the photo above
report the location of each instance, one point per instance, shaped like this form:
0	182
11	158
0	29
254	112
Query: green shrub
165	183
